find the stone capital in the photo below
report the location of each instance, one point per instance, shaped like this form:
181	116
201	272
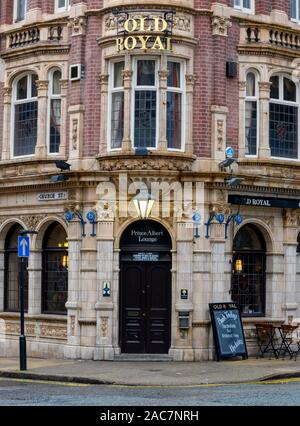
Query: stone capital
220	26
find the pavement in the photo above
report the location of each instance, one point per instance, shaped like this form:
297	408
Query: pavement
152	373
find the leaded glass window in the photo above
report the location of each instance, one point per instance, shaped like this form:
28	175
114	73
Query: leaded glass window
11	272
55	270
117	105
251	106
55	112
174	105
25	115
283	118
145	104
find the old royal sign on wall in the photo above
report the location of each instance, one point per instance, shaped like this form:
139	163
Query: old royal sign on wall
146	33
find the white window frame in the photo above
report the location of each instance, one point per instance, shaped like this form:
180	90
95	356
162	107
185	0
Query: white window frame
181	90
51	96
297	8
239	4
281	101
18	102
111	90
253	99
146	88
66	7
15	12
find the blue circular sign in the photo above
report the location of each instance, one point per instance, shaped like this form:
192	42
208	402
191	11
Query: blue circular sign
196	217
91	216
238	219
229	152
220	218
69	216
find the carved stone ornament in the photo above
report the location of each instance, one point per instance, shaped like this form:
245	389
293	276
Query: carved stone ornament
72	325
220	208
220	135
74	133
104	326
172	164
32	221
78	25
290	218
220	25
54	332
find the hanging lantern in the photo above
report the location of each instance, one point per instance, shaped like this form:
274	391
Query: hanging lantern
238	265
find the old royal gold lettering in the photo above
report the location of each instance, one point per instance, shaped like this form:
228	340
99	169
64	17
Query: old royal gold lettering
130	28
144	40
142	25
133	43
160	24
120	44
157	45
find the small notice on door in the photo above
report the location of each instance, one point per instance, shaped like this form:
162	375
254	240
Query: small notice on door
145	257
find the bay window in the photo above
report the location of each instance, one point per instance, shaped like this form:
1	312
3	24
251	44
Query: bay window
143	97
283	118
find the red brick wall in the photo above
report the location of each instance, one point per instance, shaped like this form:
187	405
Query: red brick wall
6	11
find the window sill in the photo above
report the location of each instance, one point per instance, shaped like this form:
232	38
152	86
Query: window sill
37	317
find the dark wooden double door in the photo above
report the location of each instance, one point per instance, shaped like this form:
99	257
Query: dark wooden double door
145	307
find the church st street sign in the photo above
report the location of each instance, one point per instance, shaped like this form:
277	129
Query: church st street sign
285	203
52	196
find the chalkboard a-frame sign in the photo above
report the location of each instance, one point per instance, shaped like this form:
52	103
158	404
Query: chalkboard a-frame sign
228	330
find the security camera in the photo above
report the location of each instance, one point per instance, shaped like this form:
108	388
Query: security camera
227	162
234	181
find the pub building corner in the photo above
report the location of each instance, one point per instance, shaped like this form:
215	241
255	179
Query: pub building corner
142	99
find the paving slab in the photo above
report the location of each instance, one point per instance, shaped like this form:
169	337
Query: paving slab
151	373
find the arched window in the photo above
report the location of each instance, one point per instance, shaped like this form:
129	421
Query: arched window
25	115
283	117
116	125
11	272
55	270
54	111
251	114
248	272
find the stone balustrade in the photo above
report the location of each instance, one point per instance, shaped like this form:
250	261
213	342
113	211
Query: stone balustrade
272	37
24	37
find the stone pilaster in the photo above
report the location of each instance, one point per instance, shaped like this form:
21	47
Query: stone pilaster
7	102
76	131
190	80
219	118
104	143
106	326
41	144
2	269
264	105
290	223
64	85
34	282
72	349
182	346
162	140
127	143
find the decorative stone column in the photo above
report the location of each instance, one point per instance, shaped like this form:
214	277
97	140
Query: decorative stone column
127	80
72	349
35	282
76	131
162	131
290	226
190	80
104	143
64	85
7	105
105	305
242	115
182	343
2	270
219	117
264	101
42	129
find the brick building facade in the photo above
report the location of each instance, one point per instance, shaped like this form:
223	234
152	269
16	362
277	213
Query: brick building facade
145	96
